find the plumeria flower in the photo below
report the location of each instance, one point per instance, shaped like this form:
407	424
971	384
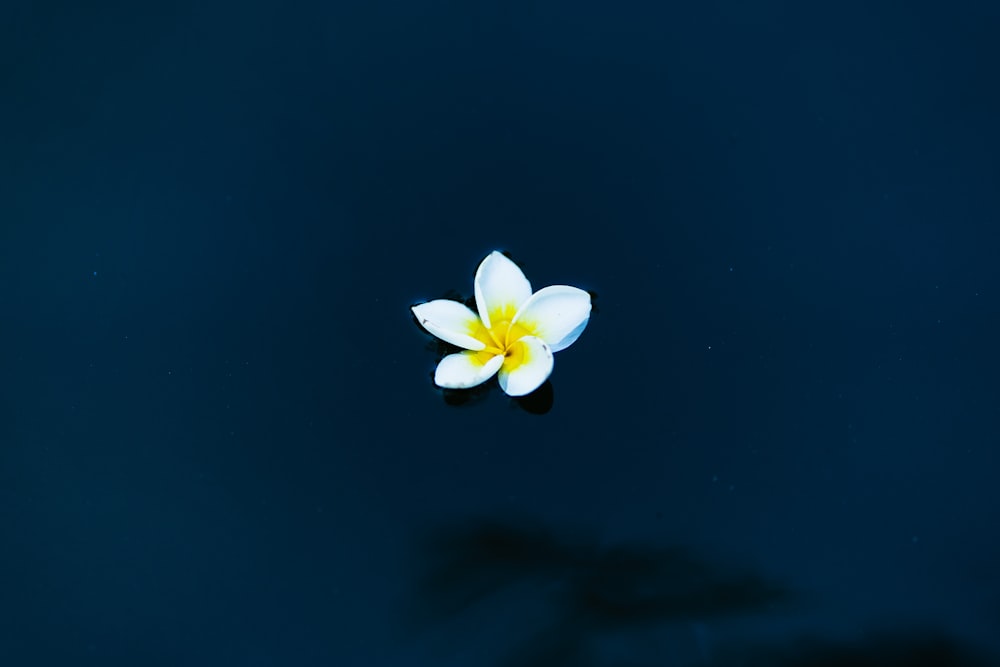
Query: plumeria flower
514	333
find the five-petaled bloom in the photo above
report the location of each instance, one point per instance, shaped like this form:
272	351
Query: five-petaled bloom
514	333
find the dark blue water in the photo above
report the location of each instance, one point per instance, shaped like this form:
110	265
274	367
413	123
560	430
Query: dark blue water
775	443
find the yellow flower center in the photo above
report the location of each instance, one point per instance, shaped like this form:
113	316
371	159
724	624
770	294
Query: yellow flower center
502	339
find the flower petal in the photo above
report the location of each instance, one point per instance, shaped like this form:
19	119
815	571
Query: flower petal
501	288
527	367
558	314
465	369
451	321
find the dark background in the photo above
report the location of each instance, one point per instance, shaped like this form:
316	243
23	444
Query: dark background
219	440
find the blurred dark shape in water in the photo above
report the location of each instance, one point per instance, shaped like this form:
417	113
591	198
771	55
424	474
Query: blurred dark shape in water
467	563
591	591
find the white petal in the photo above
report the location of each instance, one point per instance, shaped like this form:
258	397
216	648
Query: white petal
501	288
533	368
558	314
465	369
451	321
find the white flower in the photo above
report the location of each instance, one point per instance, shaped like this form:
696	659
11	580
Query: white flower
514	333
